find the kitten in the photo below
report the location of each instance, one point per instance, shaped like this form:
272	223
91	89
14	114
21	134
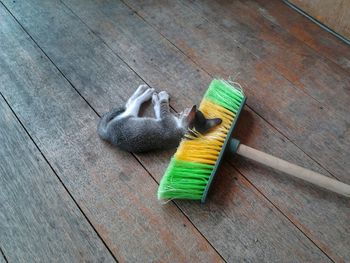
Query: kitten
122	127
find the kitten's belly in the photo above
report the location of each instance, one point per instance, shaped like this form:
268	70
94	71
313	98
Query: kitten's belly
146	143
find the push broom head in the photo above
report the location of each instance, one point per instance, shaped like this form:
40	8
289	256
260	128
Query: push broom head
194	165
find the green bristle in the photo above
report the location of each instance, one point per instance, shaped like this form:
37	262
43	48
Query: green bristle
224	94
184	180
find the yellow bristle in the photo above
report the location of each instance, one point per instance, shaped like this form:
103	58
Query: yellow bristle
206	148
212	110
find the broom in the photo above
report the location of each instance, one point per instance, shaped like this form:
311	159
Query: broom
198	157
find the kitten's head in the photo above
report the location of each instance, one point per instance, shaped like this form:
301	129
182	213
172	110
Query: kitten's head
195	119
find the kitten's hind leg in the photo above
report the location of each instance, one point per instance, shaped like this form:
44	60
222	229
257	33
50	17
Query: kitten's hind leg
102	127
134	106
156	105
161	104
141	89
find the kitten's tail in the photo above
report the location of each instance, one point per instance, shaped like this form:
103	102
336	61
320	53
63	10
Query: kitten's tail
102	127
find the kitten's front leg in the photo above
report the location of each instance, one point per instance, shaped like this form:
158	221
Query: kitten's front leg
134	104
141	89
161	104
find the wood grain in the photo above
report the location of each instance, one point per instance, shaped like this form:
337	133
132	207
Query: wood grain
113	190
304	205
302	28
270	235
39	222
305	68
321	215
270	95
334	14
310	208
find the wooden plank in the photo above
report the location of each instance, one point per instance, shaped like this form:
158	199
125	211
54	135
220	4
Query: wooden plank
232	209
321	215
238	244
288	109
334	14
113	190
314	36
305	205
301	65
38	219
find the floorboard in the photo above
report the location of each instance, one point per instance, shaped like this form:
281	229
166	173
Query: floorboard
57	55
39	222
297	25
319	78
305	205
273	239
110	186
97	53
270	95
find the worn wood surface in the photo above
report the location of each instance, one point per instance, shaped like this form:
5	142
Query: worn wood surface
251	217
113	190
284	107
318	77
303	250
39	222
308	213
301	28
116	42
333	13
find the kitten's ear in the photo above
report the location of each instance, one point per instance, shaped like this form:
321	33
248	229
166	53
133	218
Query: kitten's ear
211	123
191	115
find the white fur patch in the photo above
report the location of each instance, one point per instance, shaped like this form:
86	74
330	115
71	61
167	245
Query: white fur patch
179	122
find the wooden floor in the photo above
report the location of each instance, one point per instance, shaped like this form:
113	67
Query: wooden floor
66	196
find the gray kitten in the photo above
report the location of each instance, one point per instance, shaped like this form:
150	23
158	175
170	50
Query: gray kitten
122	127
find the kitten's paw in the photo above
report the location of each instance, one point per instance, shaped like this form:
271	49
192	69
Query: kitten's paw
139	91
142	88
163	96
155	98
147	94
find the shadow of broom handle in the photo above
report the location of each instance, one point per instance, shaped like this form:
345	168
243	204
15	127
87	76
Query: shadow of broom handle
293	170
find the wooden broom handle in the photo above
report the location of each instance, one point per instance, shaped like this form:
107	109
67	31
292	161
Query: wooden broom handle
294	170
